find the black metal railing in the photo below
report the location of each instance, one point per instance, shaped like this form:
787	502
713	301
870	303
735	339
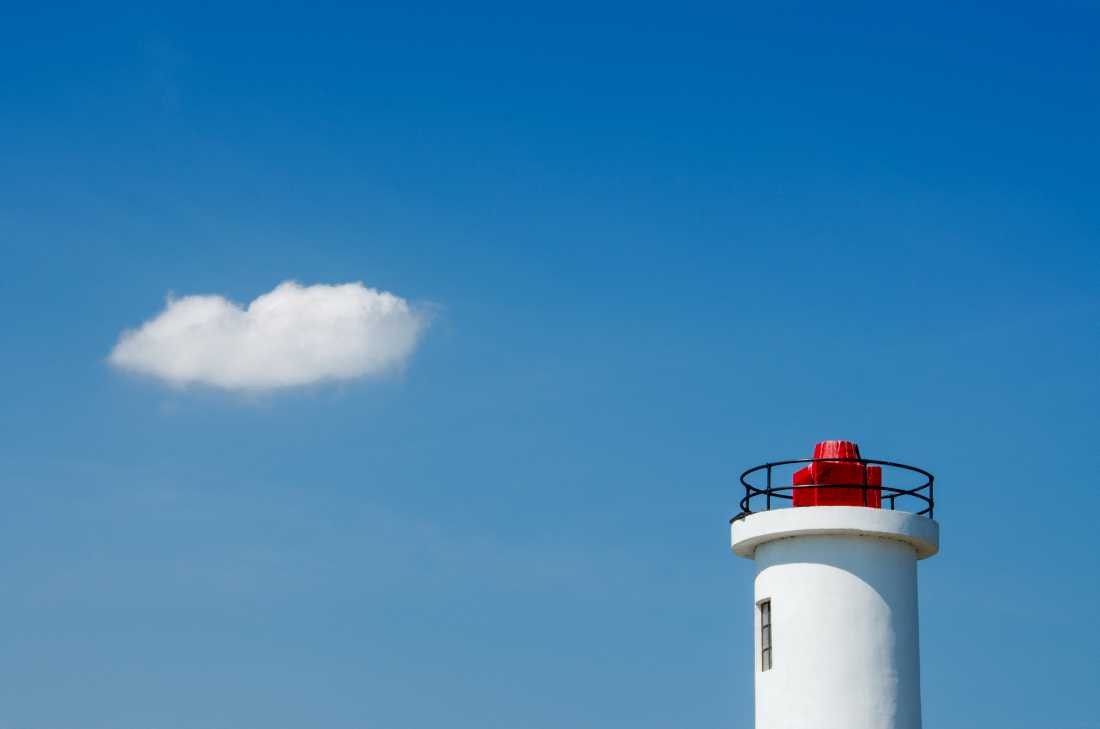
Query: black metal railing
919	499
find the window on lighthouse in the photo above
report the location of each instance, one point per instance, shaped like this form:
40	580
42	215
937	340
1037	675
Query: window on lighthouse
765	635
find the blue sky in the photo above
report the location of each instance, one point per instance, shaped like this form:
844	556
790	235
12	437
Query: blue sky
659	244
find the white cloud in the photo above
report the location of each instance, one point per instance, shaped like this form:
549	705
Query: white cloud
291	336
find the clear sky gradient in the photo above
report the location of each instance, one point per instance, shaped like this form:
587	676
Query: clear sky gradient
661	243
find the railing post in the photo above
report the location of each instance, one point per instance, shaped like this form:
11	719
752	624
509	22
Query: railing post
769	498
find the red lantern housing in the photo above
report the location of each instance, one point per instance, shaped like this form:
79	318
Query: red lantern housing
845	481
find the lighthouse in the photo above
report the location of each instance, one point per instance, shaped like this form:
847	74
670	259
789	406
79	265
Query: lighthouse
836	539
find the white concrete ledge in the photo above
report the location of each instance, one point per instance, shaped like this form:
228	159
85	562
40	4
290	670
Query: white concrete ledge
755	529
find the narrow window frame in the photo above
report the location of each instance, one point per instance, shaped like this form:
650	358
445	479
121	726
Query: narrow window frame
764	616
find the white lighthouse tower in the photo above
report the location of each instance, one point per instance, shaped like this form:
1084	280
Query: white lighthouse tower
836	589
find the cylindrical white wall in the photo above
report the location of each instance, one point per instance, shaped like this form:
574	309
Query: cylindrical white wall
842	586
844	634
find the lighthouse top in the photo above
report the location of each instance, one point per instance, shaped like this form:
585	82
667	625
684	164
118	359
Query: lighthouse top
836	492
